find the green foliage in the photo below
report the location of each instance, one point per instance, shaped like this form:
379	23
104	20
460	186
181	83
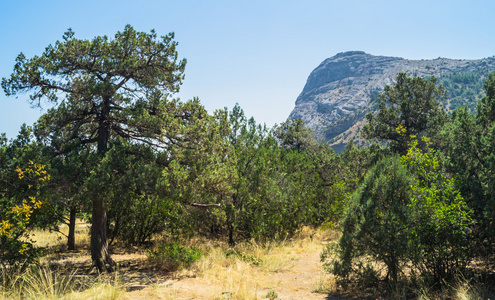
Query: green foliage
199	178
469	147
285	180
294	134
173	255
440	216
317	170
486	105
17	214
258	206
412	103
357	160
464	89
376	221
406	213
135	209
271	294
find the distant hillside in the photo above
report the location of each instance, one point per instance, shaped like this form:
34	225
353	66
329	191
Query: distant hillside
344	88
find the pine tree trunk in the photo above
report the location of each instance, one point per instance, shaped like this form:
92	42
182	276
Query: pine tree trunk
71	238
231	234
230	224
99	240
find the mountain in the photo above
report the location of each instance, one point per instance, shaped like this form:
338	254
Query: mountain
344	88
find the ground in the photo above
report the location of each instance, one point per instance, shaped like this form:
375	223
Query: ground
289	270
299	281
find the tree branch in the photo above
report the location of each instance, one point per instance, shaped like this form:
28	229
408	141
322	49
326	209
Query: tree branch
205	205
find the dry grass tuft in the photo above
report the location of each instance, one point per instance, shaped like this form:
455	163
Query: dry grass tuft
324	283
104	288
42	283
472	290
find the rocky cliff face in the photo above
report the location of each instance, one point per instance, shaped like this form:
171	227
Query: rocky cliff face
342	89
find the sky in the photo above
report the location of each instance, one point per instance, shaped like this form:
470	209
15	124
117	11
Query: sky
257	53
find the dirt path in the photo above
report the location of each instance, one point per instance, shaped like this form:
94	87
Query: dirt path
301	280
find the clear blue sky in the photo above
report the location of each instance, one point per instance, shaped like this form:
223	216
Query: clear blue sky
256	53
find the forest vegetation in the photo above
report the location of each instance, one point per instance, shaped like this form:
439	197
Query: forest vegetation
414	209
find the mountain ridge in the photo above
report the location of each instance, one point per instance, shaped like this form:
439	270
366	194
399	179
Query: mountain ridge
345	87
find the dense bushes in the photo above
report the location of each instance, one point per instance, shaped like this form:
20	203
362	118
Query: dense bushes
407	215
375	223
427	214
469	147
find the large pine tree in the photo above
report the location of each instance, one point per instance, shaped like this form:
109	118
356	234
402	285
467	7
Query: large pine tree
102	89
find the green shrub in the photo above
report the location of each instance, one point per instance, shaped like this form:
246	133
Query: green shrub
173	255
16	212
272	295
440	218
406	215
375	224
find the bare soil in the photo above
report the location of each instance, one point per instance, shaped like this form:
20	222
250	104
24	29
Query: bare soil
297	282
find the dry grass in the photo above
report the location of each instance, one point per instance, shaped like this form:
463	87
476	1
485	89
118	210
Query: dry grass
467	291
230	276
473	289
44	284
161	292
58	240
107	288
240	272
462	290
324	283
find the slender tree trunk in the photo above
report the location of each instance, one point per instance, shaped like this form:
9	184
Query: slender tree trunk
231	234
71	238
230	216
99	240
